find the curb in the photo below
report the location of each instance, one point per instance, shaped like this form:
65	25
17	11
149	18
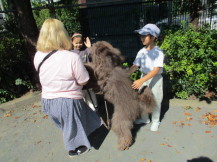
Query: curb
33	97
193	103
23	101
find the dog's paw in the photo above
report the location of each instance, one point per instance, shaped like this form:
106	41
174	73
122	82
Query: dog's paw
124	145
121	147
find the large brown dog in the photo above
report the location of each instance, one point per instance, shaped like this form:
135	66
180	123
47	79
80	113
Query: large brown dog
115	85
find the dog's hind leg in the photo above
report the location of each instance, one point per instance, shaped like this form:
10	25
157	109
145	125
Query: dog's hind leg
126	142
116	127
122	128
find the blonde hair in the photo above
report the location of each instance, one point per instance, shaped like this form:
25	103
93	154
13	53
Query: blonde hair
53	36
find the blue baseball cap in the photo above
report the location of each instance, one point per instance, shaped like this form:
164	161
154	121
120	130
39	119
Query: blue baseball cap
151	29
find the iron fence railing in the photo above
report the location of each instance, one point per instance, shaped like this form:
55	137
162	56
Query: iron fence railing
115	21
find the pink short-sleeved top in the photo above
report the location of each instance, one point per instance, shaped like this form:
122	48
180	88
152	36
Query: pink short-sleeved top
60	74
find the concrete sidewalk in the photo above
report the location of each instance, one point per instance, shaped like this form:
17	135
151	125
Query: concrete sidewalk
27	135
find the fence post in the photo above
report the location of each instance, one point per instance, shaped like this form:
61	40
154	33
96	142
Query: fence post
170	10
51	9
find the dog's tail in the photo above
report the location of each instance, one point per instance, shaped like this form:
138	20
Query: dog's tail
147	100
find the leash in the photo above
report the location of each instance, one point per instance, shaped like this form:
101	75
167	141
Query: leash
108	120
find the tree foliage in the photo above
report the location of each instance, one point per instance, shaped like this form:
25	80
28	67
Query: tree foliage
16	65
69	15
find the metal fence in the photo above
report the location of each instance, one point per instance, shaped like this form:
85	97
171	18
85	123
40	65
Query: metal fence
115	21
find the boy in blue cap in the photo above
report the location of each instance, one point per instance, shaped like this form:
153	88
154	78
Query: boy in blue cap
150	62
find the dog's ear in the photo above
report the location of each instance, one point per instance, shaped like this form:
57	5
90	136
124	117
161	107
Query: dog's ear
95	52
112	59
104	54
116	57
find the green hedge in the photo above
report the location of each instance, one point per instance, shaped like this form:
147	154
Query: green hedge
14	65
191	61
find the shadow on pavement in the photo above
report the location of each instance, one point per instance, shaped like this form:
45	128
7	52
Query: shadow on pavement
166	97
135	130
200	159
98	136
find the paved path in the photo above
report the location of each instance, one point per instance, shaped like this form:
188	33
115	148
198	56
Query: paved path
26	135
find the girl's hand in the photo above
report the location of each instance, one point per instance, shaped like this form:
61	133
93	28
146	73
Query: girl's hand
137	84
87	42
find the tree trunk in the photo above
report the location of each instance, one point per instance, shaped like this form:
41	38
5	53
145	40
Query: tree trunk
28	29
194	12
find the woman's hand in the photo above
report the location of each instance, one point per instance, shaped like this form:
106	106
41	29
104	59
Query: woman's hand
137	84
87	42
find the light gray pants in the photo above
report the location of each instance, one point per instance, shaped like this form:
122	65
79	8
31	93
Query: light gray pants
156	85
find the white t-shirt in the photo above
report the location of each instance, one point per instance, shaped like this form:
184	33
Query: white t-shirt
147	60
60	74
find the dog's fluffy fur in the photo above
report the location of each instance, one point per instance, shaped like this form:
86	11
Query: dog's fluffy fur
115	85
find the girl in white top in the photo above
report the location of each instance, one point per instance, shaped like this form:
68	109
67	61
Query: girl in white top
150	62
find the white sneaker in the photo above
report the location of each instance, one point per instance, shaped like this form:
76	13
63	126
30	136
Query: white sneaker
142	121
155	126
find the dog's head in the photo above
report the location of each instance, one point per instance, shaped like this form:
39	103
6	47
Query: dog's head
104	54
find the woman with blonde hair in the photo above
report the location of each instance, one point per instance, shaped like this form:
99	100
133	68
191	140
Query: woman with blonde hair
62	76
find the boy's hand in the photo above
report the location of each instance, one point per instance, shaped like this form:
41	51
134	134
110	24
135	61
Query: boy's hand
137	84
87	42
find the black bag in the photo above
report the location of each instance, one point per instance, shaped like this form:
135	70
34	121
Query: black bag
38	70
45	58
